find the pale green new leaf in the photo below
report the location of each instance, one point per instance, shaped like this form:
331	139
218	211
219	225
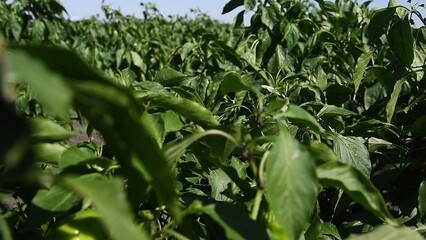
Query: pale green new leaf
360	68
390	106
354	183
386	232
291	184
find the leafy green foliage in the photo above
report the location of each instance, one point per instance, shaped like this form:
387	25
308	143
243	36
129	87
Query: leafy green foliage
307	123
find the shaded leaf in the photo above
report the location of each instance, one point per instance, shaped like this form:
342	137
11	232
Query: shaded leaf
354	183
42	80
291	184
231	5
105	193
422	201
401	41
379	23
232	82
5	232
235	221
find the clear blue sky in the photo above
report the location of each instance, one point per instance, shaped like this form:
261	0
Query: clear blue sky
84	8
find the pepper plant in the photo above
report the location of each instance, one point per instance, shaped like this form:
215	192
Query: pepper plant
307	124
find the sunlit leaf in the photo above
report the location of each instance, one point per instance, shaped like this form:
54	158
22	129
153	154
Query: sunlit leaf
351	150
360	68
291	184
390	107
387	232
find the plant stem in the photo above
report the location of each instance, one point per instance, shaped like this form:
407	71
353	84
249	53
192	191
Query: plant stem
256	204
260	187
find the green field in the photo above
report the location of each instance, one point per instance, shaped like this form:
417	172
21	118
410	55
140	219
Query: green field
308	124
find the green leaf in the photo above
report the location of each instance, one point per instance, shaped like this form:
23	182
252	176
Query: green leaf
5	232
360	68
105	193
321	151
390	106
331	111
16	28
351	150
299	115
231	5
218	180
44	130
249	5
156	127
291	35
422	201
74	155
235	221
137	60
232	82
169	76
386	232
268	16
184	107
56	199
37	29
354	183
113	111
42	80
291	184
172	122
401	41
48	152
379	23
